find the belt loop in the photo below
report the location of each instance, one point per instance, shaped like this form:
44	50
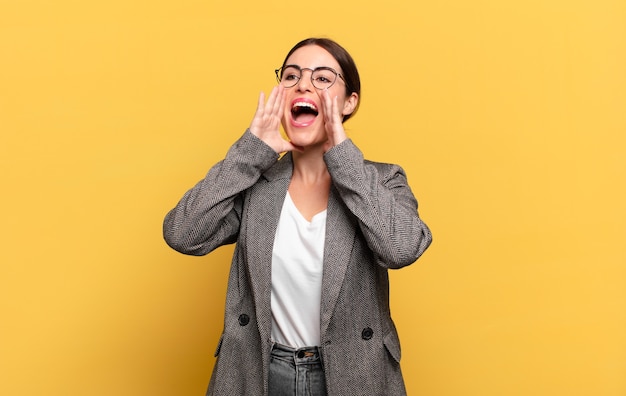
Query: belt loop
319	353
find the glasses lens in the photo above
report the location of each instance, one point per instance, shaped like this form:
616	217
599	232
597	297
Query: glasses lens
323	78
290	76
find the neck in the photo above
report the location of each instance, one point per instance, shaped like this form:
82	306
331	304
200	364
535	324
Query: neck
309	166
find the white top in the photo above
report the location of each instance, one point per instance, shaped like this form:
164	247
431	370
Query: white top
297	262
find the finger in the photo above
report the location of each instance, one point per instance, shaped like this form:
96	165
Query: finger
260	107
258	113
331	108
279	103
272	107
273	94
336	108
327	103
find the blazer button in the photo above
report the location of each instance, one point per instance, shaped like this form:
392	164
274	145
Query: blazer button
244	319
367	333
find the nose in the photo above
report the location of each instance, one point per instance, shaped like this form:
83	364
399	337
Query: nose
304	83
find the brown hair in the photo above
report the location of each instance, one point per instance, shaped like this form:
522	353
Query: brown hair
348	67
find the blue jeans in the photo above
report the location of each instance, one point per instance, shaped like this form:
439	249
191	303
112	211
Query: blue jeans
296	372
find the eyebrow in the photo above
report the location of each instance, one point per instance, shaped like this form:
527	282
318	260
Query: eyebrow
317	68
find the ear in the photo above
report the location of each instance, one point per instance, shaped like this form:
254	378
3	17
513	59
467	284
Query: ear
350	104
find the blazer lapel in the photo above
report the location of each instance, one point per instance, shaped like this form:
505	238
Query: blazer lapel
340	233
262	216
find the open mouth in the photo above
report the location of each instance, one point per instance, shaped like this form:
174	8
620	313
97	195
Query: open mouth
304	112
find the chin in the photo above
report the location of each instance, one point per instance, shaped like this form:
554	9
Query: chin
306	136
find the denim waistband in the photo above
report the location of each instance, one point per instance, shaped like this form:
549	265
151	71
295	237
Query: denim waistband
301	355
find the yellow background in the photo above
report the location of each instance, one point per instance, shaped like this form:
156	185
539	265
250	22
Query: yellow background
509	117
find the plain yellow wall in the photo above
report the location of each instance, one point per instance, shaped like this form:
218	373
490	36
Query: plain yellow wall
509	117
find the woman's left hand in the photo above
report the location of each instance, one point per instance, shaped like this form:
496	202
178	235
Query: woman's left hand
333	121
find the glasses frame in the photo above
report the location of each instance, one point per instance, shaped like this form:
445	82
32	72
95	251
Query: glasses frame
280	70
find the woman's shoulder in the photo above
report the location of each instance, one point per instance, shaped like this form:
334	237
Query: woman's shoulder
384	167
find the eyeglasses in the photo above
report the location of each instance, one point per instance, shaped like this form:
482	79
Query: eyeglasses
321	77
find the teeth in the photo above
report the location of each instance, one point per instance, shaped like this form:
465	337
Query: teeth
304	104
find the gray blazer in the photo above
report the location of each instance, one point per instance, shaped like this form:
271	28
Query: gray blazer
372	226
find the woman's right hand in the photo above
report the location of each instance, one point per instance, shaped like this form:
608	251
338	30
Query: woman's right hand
266	122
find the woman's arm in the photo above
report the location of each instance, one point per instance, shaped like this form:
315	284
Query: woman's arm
381	199
209	214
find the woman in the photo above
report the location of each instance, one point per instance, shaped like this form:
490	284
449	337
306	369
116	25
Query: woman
307	306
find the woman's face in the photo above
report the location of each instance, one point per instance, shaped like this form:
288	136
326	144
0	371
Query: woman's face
303	119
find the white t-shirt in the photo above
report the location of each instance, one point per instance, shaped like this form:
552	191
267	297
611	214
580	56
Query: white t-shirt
297	263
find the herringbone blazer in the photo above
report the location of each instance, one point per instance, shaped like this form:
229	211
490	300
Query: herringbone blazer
372	226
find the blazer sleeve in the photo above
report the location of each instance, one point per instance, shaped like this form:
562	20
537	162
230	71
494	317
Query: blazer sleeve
379	196
209	214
